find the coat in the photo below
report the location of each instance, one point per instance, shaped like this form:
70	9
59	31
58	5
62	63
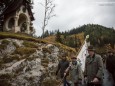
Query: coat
76	73
94	68
110	64
62	66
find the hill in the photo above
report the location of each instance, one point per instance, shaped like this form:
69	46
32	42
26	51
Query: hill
99	36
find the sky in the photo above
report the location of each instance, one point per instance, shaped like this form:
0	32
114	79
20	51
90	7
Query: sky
75	13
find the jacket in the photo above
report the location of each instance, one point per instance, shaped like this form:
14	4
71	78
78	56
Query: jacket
62	66
93	68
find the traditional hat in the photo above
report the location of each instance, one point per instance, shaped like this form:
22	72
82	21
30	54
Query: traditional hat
91	48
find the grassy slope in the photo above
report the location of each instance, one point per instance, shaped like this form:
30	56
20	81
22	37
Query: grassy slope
4	35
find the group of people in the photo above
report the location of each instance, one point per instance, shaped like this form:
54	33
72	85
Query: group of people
92	74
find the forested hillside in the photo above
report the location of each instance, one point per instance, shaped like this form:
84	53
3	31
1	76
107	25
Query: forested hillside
99	36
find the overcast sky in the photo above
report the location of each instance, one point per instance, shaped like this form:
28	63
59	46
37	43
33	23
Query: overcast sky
74	13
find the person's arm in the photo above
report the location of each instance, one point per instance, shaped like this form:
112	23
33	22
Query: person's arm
100	68
85	70
80	74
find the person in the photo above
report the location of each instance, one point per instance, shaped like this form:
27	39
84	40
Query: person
93	73
110	64
62	66
75	72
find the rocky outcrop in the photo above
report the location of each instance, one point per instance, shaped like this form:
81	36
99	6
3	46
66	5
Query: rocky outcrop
24	63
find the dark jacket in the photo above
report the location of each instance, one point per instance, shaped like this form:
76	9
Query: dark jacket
110	63
94	68
62	66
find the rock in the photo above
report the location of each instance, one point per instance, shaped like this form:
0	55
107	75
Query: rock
30	69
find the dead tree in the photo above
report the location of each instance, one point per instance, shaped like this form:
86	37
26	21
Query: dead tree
48	13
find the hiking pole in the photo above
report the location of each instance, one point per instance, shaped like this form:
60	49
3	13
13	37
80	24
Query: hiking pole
62	80
65	74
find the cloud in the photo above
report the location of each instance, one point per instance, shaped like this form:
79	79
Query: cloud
72	13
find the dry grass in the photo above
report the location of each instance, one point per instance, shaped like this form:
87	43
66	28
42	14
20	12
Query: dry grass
4	35
24	51
30	44
80	36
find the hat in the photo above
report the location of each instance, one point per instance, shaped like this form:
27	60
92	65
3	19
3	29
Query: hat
91	48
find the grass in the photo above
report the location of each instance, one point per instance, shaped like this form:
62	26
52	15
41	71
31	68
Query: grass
5	42
50	82
19	36
30	44
24	50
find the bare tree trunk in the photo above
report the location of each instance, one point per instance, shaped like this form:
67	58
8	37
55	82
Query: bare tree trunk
48	13
44	22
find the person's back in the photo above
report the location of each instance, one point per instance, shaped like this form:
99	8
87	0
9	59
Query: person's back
110	64
62	66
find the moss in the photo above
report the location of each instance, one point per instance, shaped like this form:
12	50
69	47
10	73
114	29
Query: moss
29	58
50	82
15	44
2	46
4	35
7	60
15	57
24	50
45	60
1	62
30	44
11	58
5	42
46	50
5	79
44	64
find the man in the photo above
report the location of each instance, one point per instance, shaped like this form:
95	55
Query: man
110	64
93	73
62	66
75	71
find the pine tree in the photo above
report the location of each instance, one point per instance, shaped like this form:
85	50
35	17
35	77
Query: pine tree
58	36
